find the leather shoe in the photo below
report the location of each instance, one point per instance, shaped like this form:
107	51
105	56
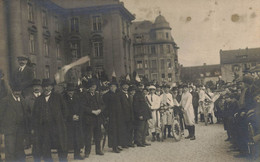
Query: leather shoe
78	157
115	150
147	144
125	147
193	138
119	149
131	145
188	137
140	145
99	153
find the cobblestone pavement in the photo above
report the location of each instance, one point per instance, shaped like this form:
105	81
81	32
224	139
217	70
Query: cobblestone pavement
209	146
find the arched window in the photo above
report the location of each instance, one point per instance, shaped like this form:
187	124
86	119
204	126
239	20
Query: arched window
97	46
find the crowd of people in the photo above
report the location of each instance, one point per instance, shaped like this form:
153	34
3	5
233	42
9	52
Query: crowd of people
238	108
44	115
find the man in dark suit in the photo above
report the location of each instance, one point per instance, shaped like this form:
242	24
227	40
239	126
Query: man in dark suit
74	122
127	112
131	93
29	100
195	102
23	76
142	114
48	123
92	106
13	124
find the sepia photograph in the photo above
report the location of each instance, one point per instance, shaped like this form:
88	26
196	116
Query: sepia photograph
129	80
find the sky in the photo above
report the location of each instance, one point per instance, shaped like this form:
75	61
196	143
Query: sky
202	27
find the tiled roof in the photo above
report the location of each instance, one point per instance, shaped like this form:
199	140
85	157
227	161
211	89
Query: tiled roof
240	56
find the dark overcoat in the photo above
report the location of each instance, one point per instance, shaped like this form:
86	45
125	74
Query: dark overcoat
74	128
24	78
58	113
126	106
117	132
12	116
141	107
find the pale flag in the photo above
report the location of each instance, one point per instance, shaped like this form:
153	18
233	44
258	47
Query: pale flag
128	77
137	78
60	75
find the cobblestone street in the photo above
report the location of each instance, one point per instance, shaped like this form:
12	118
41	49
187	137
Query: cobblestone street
209	145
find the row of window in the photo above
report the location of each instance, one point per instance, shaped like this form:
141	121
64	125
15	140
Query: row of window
153	49
74	21
144	64
74	46
154	76
46	47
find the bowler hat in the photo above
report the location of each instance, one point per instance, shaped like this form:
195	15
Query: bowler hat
46	82
16	87
70	87
132	88
124	82
36	82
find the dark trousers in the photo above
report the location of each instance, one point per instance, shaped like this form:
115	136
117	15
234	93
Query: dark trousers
130	132
47	140
196	113
90	129
140	132
14	147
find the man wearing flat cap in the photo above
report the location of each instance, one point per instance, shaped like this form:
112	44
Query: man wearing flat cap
13	124
23	75
142	114
154	102
48	123
92	106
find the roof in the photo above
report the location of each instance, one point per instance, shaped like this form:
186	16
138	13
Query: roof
240	56
138	27
206	70
160	22
69	4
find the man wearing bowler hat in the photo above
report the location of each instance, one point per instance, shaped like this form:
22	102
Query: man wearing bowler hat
74	122
29	100
92	106
13	124
142	114
23	75
48	123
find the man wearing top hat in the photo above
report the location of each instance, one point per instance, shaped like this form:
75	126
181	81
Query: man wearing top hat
92	106
117	135
142	114
29	100
23	75
13	124
74	122
48	123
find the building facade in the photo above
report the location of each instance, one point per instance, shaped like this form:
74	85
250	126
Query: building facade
235	63
155	52
53	33
200	74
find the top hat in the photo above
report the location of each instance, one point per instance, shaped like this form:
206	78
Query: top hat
46	82
36	82
70	87
124	82
132	88
16	87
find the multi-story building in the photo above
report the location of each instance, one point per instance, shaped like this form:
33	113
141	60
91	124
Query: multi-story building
155	52
200	74
54	32
234	63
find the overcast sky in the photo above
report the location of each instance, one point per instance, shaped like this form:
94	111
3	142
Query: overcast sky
202	27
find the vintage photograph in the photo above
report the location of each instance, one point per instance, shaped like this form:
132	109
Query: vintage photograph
129	80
